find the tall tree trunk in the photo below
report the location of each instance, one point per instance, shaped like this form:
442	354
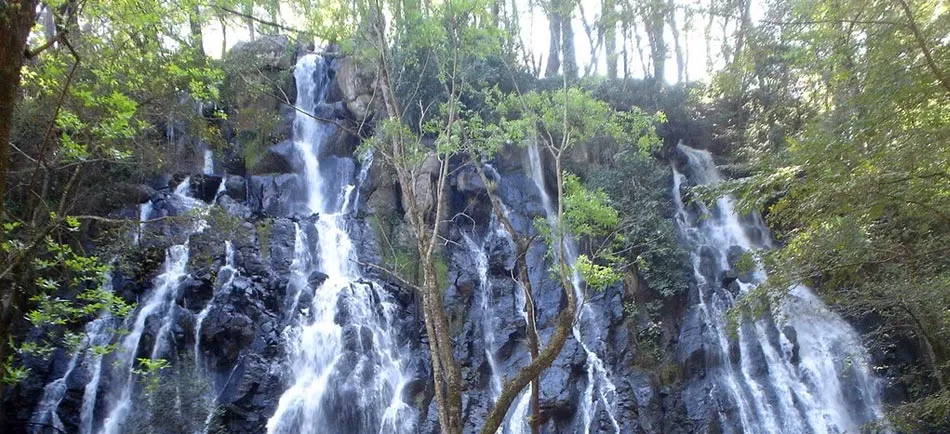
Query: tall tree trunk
248	21
567	47
745	24
922	44
677	43
655	26
707	34
625	37
641	52
554	50
687	28
496	13
608	31
224	33
197	39
16	20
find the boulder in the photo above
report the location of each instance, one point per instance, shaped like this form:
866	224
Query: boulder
279	158
269	51
355	85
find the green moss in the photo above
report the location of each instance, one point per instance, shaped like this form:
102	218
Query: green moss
396	255
441	270
669	374
264	229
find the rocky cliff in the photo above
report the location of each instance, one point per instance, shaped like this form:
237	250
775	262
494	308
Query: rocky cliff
226	324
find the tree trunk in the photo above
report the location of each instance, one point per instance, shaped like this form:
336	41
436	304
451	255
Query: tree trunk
16	20
608	30
677	45
224	34
451	404
248	12
707	34
927	344
531	329
641	52
923	46
625	37
655	23
745	24
567	45
554	50
197	39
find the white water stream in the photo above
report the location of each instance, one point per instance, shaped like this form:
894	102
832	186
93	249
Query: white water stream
817	376
599	390
346	373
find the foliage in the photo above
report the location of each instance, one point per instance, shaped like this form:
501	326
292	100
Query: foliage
638	188
69	291
150	369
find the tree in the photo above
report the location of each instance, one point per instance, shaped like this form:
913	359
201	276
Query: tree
16	20
608	33
454	117
854	184
82	115
561	54
559	121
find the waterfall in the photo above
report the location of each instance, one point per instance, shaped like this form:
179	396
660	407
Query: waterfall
352	194
53	393
145	210
477	251
208	163
222	188
801	370
599	388
225	277
159	302
98	334
346	373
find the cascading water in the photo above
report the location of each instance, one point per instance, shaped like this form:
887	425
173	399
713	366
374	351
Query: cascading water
226	275
98	334
53	393
599	389
346	370
145	210
207	167
803	371
485	303
159	303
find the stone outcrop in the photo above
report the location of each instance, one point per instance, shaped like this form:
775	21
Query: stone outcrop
355	86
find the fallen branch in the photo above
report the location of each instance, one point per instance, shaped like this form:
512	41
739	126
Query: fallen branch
389	272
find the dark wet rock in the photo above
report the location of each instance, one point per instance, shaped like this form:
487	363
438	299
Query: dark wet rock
236	187
205	187
316	279
279	158
227	332
275	195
